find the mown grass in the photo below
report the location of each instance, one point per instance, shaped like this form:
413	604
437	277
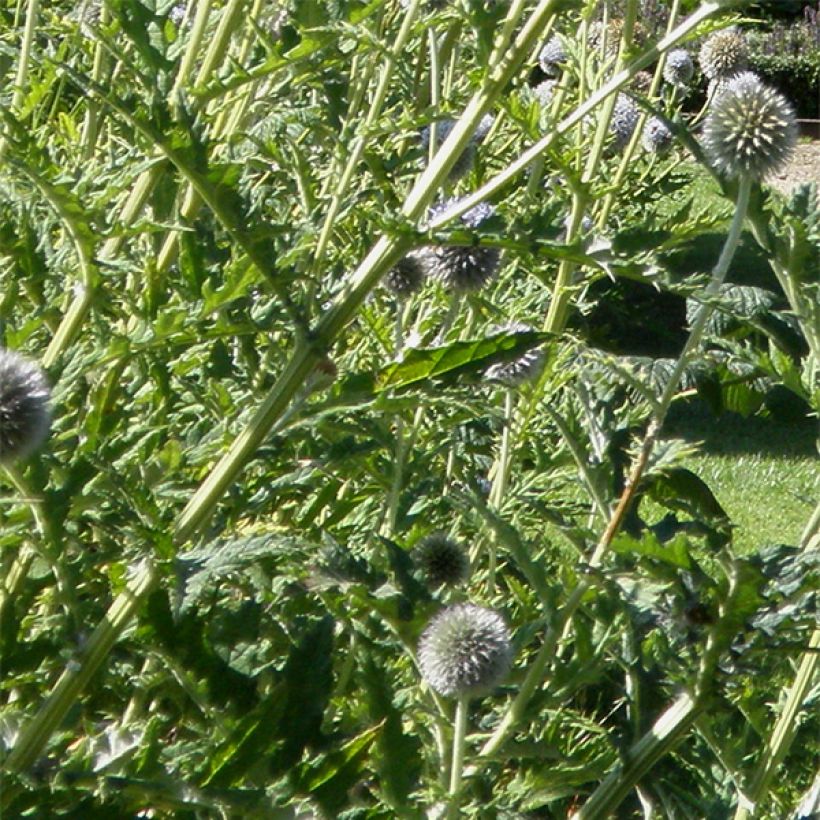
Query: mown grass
762	470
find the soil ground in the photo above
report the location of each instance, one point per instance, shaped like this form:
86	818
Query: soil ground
804	167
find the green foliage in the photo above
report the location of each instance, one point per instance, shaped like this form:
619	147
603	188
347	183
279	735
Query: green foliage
187	246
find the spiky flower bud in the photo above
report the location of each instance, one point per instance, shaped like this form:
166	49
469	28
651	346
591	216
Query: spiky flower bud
442	560
465	651
624	119
461	268
525	367
724	53
678	69
25	417
656	136
751	128
609	36
407	275
642	82
552	56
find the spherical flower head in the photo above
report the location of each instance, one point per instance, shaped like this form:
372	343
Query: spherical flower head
642	82
552	56
679	68
407	275
442	560
25	417
177	14
656	136
483	128
542	93
751	128
724	53
461	268
465	651
524	368
612	34
624	119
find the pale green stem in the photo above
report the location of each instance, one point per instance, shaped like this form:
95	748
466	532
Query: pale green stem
435	89
21	78
667	731
75	316
15	577
457	767
36	733
44	548
626	159
499	481
91	122
562	290
226	123
197	35
359	143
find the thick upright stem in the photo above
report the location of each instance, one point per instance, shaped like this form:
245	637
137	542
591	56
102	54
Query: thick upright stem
21	78
667	731
457	766
36	733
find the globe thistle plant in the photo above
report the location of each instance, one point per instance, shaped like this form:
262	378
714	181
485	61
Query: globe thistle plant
462	269
442	561
177	14
407	275
465	651
552	56
642	82
750	130
25	417
679	68
623	122
656	136
542	93
723	53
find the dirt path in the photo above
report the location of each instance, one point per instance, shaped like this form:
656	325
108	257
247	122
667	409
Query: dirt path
804	167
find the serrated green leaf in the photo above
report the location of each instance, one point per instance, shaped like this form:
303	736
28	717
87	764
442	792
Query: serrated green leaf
457	359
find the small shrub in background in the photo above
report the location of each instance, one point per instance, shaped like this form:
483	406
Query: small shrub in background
788	57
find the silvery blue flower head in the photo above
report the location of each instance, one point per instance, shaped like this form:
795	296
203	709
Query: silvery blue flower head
624	119
751	128
407	275
552	56
656	136
177	14
723	53
442	560
461	268
542	93
524	368
25	418
678	69
465	651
